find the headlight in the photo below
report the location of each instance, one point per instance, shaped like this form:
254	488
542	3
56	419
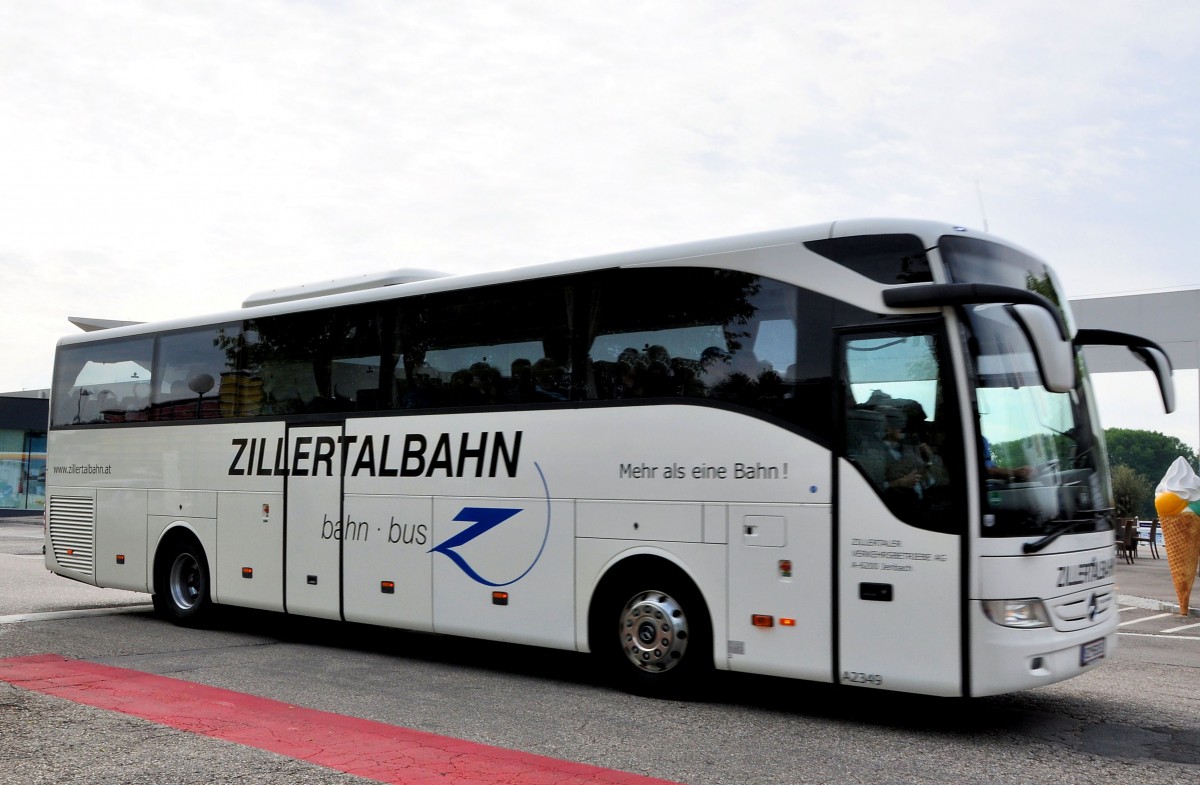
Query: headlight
1023	614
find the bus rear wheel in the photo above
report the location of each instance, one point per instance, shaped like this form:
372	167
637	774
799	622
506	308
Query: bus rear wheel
652	634
181	591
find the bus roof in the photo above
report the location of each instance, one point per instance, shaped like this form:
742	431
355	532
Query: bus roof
415	281
354	283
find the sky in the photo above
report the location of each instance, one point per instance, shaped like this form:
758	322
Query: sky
169	159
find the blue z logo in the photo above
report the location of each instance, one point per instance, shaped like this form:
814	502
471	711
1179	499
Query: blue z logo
485	519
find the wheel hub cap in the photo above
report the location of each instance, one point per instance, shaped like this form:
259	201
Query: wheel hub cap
654	631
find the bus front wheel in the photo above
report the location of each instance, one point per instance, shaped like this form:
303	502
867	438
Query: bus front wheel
652	633
181	581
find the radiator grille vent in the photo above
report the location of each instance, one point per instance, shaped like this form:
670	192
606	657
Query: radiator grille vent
73	532
1083	610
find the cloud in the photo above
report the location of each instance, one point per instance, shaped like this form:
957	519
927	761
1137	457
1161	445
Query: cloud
1132	400
197	153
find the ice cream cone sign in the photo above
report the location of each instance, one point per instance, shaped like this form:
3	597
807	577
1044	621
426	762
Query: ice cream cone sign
1177	501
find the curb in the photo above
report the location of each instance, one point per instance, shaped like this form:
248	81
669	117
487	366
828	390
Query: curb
1155	605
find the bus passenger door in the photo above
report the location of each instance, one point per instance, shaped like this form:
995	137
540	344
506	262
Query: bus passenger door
314	530
900	514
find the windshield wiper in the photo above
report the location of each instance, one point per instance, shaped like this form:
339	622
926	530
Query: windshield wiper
1054	534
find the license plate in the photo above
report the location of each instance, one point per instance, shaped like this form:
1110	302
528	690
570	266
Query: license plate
1091	651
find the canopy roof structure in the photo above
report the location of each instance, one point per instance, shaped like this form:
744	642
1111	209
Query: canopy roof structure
1169	318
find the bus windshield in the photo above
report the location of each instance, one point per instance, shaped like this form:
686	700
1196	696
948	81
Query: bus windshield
1041	458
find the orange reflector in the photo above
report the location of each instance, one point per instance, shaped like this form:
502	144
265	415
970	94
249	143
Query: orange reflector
120	558
785	622
387	587
499	598
785	568
70	551
247	572
762	620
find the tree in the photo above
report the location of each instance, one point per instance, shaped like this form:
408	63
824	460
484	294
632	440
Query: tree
1132	493
1149	453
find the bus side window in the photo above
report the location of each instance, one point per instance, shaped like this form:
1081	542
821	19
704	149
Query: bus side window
86	374
288	386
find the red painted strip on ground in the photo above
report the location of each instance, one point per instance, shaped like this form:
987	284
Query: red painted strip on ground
374	750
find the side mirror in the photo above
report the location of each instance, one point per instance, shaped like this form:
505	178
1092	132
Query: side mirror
1040	319
1055	357
1147	351
1158	362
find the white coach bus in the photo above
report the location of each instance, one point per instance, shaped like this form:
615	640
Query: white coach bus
863	453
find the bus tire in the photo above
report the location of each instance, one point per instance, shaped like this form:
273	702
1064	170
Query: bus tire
650	630
181	581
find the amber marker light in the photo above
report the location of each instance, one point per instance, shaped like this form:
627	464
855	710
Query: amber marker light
120	558
247	572
387	587
499	598
762	620
786	622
